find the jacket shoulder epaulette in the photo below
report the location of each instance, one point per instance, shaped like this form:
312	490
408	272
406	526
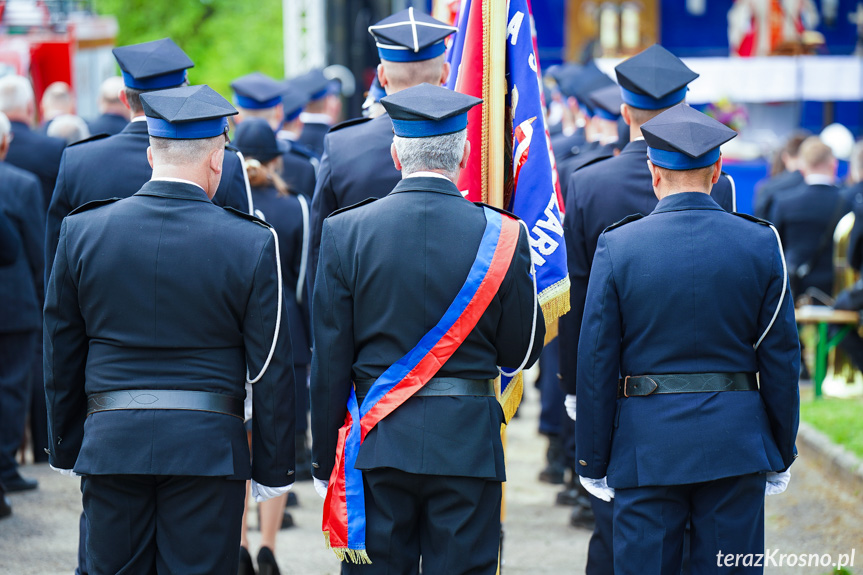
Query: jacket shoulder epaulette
501	210
752	218
90	139
348	124
301	150
351	207
246	216
93	205
624	221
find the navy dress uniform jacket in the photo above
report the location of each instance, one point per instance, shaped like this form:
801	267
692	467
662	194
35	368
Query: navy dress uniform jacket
299	168
803	216
117	167
21	282
285	214
108	124
662	299
388	272
356	165
38	154
165	290
596	197
312	137
768	191
10	243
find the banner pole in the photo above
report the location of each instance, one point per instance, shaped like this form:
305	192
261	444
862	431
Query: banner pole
494	99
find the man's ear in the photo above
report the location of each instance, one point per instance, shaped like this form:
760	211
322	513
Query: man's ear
216	158
654	174
627	117
150	156
717	171
444	73
125	99
395	156
463	163
382	77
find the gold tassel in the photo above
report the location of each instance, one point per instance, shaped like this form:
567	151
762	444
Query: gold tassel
356	556
511	398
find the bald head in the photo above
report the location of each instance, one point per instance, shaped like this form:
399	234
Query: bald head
109	97
57	100
816	157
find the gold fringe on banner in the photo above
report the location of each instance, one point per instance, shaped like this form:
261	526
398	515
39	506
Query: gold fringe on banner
554	301
486	89
355	556
511	397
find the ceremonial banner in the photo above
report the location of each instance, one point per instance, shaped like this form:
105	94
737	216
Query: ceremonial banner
530	190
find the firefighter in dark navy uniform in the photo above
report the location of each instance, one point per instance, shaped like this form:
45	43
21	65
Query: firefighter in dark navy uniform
145	369
259	96
356	163
316	121
672	423
116	166
606	192
389	270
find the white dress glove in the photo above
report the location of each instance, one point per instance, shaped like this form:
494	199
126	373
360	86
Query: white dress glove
321	487
261	492
598	488
777	482
66	472
569	403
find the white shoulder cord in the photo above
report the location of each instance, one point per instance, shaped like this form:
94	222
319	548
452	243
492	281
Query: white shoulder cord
246	181
533	324
304	256
782	295
733	193
278	314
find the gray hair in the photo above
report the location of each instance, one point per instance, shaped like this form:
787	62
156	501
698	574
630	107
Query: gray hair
69	127
5	126
109	91
15	93
433	153
857	161
184	152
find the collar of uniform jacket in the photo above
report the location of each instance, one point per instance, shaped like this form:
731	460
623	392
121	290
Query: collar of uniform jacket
427	184
686	201
636	147
173	189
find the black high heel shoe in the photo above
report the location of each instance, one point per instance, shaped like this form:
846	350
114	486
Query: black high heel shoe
246	567
267	562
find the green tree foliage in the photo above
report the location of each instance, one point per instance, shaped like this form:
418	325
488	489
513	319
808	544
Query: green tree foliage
225	38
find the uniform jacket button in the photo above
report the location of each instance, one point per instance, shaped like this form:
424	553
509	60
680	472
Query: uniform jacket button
582	462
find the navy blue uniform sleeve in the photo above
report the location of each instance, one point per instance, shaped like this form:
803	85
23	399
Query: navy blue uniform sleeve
323	204
598	367
333	319
578	265
778	358
232	187
58	209
9	241
64	361
517	305
273	395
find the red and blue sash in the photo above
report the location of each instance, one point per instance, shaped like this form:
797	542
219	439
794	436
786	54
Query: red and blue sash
344	521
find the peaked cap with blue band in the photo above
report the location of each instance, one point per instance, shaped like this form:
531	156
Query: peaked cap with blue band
153	65
653	79
410	36
426	110
588	80
314	83
293	100
682	138
255	139
186	113
257	91
606	102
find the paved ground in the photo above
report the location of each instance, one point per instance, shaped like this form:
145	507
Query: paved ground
815	515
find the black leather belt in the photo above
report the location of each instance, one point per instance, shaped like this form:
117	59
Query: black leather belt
165	399
641	385
438	386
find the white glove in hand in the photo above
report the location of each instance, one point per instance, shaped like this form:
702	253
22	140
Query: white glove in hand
66	472
262	492
569	403
777	482
321	487
598	488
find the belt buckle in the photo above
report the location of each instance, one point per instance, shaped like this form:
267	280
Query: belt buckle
625	384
